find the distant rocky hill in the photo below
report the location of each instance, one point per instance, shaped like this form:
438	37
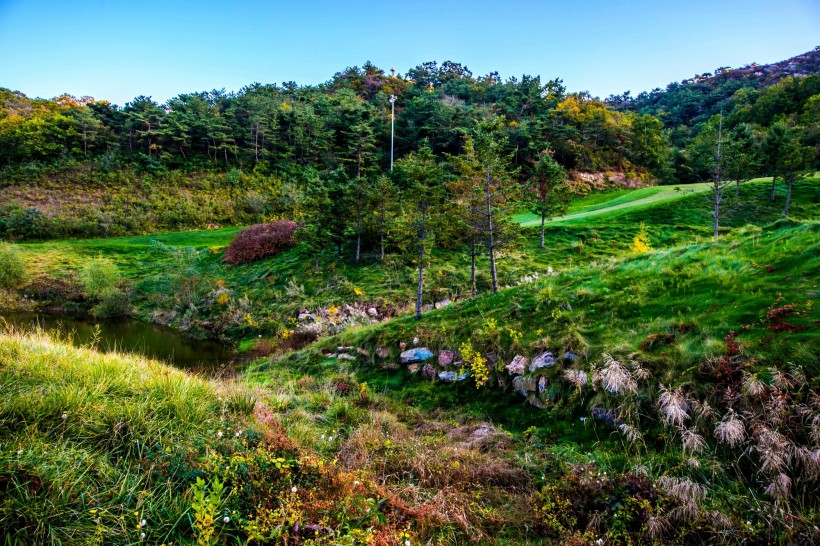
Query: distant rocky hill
694	99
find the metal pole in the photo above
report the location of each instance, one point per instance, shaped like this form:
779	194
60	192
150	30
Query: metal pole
392	125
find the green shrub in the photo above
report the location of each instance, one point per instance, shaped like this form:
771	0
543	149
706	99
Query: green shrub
112	305
12	266
100	277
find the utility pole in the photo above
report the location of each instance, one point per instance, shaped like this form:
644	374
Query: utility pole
392	127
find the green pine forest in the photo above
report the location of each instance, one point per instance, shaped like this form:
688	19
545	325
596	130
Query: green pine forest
546	318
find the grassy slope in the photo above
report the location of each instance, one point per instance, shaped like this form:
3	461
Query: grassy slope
603	227
418	439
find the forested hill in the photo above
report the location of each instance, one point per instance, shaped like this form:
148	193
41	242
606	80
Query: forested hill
73	166
694	100
341	126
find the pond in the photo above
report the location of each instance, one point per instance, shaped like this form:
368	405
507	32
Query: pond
131	336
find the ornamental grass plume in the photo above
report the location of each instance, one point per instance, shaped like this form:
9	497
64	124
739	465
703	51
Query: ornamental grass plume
752	385
673	406
576	377
773	449
688	494
692	441
780	488
731	429
614	377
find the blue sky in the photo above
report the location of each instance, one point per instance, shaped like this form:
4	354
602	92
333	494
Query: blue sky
117	50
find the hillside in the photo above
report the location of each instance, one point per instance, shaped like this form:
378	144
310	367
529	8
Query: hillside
587	447
694	100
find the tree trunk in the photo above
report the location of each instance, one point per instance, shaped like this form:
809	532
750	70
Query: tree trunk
316	264
358	236
256	143
789	184
490	240
420	287
716	213
381	232
774	180
472	264
737	193
543	219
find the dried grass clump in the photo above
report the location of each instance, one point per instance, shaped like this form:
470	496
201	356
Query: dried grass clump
614	377
731	430
688	494
780	488
773	449
576	377
692	441
673	406
752	386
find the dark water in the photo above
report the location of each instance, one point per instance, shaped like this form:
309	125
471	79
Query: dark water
131	336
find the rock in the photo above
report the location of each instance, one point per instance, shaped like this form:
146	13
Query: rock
332	355
524	385
419	354
428	371
343	349
345	356
413	368
306	316
537	402
402	345
445	358
570	357
415	341
372	312
382	352
518	365
450	376
442	303
542	384
363	352
389	366
606	416
542	361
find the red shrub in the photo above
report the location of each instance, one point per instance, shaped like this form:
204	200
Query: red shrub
260	241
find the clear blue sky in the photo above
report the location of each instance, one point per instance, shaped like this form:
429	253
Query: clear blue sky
117	50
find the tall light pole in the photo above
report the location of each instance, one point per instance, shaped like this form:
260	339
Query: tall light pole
392	125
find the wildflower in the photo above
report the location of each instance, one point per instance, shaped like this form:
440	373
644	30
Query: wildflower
406	543
226	519
322	437
293	489
142	536
330	438
142	523
219	434
65	416
356	482
238	433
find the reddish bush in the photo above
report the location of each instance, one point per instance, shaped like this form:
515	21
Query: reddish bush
260	241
